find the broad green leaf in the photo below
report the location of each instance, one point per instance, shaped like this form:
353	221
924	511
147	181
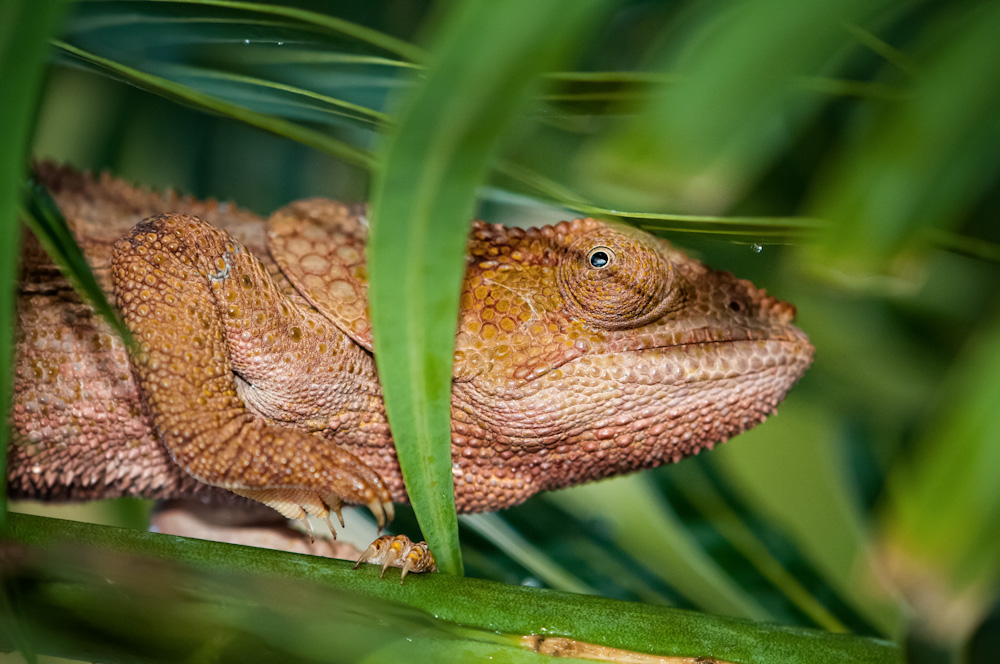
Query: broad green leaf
286	101
112	582
484	60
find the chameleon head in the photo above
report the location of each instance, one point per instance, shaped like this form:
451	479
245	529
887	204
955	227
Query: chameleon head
587	350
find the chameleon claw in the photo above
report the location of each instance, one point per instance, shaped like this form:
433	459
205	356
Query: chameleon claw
340	516
389	559
390	510
329	524
368	554
309	529
333	504
399	551
407	566
378	511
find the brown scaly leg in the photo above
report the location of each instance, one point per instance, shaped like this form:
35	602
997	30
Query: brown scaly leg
198	304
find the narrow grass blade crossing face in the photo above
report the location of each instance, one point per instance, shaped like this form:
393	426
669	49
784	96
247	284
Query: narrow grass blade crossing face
422	203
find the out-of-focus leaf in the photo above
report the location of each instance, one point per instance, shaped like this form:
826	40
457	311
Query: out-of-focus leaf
424	197
645	526
922	160
760	230
24	32
697	487
941	514
741	93
790	469
23	50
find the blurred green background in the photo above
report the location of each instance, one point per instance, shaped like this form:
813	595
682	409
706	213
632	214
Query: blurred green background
842	154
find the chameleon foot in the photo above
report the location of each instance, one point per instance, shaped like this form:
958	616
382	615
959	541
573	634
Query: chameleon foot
399	551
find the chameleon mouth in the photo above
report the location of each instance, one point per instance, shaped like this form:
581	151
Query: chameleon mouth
706	355
695	362
709	337
790	352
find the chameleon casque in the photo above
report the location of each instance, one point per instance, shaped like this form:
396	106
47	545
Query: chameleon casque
583	350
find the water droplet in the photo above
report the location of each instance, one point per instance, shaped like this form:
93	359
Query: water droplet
246	41
756	248
281	43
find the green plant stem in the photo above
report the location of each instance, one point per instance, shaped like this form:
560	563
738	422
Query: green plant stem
486	605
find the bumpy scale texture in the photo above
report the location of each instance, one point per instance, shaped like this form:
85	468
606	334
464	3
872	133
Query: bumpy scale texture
583	350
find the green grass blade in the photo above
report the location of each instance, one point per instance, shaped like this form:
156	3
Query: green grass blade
757	229
331	23
23	56
439	154
97	573
281	96
24	32
49	226
492	527
211	104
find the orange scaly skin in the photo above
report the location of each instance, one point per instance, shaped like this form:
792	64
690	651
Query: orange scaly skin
583	350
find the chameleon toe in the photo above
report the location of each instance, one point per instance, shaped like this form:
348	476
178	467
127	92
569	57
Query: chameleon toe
399	551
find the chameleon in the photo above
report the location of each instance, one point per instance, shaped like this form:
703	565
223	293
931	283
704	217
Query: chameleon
583	350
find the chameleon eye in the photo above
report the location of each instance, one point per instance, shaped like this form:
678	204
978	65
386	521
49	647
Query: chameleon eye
622	281
600	257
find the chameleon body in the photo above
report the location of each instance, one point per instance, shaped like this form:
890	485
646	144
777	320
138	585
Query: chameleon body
583	350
